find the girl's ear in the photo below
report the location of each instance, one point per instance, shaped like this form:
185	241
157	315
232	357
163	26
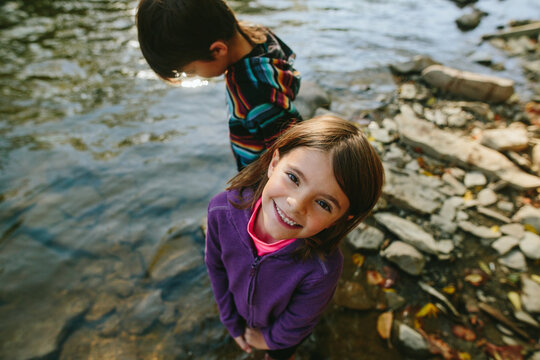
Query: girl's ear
273	162
218	49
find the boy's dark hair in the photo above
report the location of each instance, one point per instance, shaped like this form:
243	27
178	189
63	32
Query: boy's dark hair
357	168
173	33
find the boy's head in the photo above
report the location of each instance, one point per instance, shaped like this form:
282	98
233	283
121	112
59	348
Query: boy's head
176	33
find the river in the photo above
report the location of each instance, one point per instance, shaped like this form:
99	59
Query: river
106	172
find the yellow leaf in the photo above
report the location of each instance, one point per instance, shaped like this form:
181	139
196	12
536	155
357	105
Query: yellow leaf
494	229
529	227
358	259
427	173
371	139
464	356
468	196
384	324
389	290
515	299
535	278
417	324
484	267
449	289
432	100
429	310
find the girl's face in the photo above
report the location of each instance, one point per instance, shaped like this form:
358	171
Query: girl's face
301	197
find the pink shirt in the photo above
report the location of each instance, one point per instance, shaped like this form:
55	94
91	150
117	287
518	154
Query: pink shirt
262	247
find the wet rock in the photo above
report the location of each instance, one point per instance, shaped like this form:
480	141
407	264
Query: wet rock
480	231
469	21
408	231
535	155
519	46
482	58
311	96
528	215
175	262
535	356
445	224
486	197
405	256
416	65
532	69
450	207
144	312
413	92
366	237
353	295
504	244
381	134
412	340
469	85
452	148
473	179
53	69
530	296
530	245
394	300
409	191
513	139
505	206
514	260
445	246
103	305
516	31
515	230
526	318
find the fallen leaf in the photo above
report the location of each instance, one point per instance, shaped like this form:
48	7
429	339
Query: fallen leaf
468	196
358	259
485	268
374	278
390	277
529	227
438	346
428	310
509	352
464	356
536	278
449	289
475	279
494	229
463	333
515	299
384	324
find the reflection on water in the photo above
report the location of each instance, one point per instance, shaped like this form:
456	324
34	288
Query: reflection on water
105	171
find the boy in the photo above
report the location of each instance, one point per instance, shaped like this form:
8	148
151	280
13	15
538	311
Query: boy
204	38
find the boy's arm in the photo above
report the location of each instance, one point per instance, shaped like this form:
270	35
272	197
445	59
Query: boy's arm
302	313
219	280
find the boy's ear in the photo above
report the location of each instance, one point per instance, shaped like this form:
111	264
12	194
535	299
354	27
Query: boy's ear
273	162
218	49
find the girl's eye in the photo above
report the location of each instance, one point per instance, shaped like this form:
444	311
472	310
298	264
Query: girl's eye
293	178
324	205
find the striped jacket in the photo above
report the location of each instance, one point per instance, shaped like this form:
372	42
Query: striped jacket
260	90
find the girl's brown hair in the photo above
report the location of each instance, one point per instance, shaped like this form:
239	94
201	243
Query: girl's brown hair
357	168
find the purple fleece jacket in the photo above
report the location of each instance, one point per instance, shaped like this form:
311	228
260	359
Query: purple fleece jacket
282	297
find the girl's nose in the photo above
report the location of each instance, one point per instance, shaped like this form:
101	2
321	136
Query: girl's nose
296	204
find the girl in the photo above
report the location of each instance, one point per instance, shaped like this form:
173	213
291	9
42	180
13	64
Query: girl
272	238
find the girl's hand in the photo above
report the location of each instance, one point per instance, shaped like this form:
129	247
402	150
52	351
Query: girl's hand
243	344
255	338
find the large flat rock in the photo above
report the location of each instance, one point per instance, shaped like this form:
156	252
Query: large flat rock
454	149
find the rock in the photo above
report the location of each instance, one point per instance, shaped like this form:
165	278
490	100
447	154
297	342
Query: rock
515	230
530	245
445	246
416	65
504	244
405	256
532	68
474	178
535	155
513	139
506	206
457	187
469	21
445	224
366	237
516	31
454	149
535	356
493	214
409	191
353	295
144	312
526	318
469	85
394	300
514	260
480	231
486	197
311	96
530	296
528	215
412	340
408	231
450	206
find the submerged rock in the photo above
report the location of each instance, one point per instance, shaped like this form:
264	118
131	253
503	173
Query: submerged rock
405	256
469	85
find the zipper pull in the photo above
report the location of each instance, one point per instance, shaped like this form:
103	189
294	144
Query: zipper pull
254	265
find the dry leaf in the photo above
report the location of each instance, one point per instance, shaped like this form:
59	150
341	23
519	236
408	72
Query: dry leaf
374	278
384	324
428	310
464	356
510	352
474	279
358	259
463	333
536	278
449	289
515	299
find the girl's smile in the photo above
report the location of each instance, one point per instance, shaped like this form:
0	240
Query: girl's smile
301	197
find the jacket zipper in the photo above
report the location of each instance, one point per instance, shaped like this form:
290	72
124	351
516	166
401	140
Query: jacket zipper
252	274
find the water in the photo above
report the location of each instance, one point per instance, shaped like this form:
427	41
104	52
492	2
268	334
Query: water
105	172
